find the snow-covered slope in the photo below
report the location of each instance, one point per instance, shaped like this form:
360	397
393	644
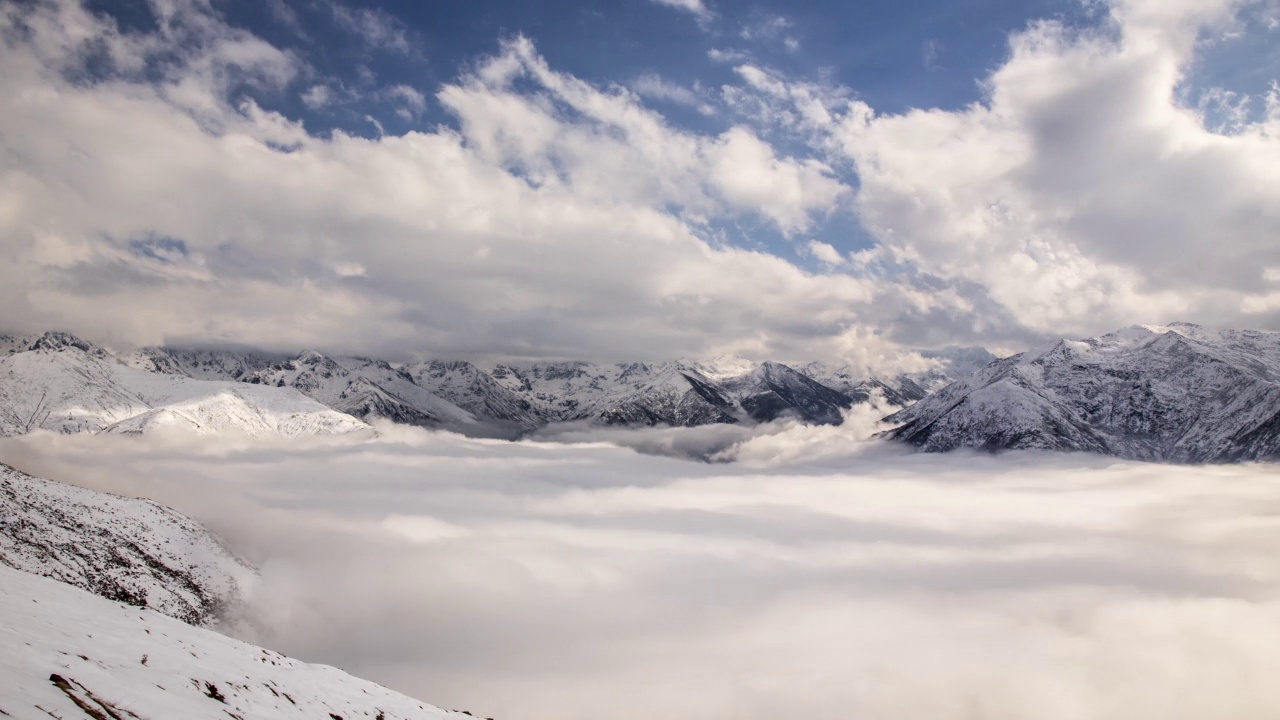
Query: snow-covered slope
65	653
475	391
683	392
61	383
365	388
222	408
1179	393
200	364
860	387
121	548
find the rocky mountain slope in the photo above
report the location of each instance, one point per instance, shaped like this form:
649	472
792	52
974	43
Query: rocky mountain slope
61	383
1179	393
125	549
65	653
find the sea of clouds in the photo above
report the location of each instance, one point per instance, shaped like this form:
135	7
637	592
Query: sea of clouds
784	571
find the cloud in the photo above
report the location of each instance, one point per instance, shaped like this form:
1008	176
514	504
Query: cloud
1081	192
824	253
551	212
818	571
412	102
656	87
376	28
770	28
317	96
697	8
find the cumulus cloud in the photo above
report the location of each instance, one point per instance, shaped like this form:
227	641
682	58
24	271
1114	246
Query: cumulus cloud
818	571
1081	191
555	209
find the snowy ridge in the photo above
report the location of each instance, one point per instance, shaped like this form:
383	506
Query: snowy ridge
126	549
60	383
1179	393
367	389
65	653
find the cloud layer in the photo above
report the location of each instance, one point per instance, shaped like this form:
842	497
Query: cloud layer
818	575
150	196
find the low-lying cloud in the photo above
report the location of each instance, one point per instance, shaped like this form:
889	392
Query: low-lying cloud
819	575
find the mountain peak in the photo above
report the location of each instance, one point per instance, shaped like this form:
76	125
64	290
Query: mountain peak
56	340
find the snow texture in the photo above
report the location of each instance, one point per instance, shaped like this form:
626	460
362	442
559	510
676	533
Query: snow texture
65	653
60	383
125	549
1176	393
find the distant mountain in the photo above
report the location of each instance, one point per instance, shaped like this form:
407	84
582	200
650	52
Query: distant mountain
860	387
953	363
58	382
1179	393
477	392
677	393
125	549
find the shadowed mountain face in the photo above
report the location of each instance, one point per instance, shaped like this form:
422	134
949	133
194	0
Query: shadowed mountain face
1179	393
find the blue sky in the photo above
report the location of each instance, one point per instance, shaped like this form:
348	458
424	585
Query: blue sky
895	56
639	180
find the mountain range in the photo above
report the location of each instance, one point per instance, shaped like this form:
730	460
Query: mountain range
56	381
1176	393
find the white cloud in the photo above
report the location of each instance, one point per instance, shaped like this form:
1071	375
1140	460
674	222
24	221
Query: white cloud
551	214
697	8
1080	194
824	253
819	571
317	96
656	87
412	102
375	27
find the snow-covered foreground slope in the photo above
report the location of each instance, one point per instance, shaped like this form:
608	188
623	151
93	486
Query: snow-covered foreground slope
58	382
1179	393
65	653
122	548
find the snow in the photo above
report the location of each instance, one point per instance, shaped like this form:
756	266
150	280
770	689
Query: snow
119	547
1186	394
64	388
72	386
63	650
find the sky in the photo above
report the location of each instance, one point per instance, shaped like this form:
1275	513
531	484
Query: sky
637	180
818	575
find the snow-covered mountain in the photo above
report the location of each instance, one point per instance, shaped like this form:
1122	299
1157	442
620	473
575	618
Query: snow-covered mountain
860	387
365	388
126	549
58	382
1180	393
477	392
677	393
65	653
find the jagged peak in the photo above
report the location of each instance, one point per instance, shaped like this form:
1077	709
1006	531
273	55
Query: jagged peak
55	340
